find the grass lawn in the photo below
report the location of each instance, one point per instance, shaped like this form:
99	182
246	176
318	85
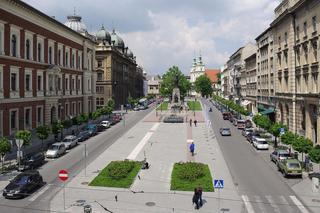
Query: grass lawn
194	104
104	178
185	177
163	106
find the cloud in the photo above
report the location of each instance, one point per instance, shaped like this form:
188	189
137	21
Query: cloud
167	32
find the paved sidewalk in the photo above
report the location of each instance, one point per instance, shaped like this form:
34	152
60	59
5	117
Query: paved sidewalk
151	192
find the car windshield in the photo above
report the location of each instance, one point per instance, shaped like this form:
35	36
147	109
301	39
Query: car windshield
249	130
284	155
54	147
226	129
67	140
21	179
262	142
294	165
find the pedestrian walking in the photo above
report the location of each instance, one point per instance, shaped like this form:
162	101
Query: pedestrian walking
200	195
195	198
192	146
190	122
195	122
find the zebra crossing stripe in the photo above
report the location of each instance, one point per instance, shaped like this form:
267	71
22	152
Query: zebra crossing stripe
247	204
273	205
299	204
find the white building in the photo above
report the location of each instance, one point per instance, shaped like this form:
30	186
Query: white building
197	70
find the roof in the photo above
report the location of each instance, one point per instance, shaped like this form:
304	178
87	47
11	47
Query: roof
212	74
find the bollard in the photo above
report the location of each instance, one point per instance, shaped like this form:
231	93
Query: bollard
87	209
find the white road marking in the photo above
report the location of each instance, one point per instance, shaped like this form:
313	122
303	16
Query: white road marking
274	206
286	203
142	143
260	204
33	198
247	204
299	204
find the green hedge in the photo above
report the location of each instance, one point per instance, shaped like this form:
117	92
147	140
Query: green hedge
117	174
187	176
231	105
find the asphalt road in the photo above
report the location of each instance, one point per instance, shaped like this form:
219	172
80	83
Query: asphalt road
255	177
74	162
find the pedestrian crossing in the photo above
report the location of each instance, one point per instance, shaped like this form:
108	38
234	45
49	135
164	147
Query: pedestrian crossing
273	204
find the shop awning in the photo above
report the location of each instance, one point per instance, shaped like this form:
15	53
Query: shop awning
267	111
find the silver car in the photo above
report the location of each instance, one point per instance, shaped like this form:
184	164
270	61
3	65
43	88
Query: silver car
279	154
247	131
56	150
70	141
225	131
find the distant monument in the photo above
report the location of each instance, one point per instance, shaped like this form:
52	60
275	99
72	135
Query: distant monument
176	93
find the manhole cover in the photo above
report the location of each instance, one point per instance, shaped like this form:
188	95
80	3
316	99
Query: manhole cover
150	203
130	137
80	202
84	183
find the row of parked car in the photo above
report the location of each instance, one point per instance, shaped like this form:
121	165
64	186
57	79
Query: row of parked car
30	180
285	161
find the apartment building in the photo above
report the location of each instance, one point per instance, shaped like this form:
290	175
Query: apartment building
46	70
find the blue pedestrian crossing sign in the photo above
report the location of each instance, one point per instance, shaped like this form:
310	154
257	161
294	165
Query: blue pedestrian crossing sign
218	184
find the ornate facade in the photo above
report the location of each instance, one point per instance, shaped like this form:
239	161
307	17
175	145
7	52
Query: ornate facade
46	70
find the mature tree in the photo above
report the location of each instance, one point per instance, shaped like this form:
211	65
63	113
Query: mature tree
203	85
56	128
5	147
219	78
302	145
42	133
275	131
24	135
169	81
111	104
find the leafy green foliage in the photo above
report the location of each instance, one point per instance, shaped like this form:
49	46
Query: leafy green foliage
231	105
96	114
191	171
43	132
262	121
163	106
302	144
104	178
24	135
203	85
275	129
56	127
194	105
120	169
83	118
111	104
288	137
168	82
314	154
68	123
5	146
197	174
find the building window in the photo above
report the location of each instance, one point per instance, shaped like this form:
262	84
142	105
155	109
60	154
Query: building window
1	39
39	83
59	57
50	55
28	49
27	118
305	28
39	52
28	80
286	38
14	45
279	40
13	120
79	60
314	23
39	115
72	84
67	58
99	63
73	61
99	76
74	108
298	32
13	81
67	110
66	83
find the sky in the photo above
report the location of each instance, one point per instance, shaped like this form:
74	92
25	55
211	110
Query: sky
163	33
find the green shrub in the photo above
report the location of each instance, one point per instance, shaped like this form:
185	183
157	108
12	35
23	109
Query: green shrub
120	169
191	171
314	154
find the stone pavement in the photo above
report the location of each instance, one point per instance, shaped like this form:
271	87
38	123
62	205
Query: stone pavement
162	145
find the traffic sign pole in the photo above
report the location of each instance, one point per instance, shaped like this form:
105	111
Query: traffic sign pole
64	196
63	176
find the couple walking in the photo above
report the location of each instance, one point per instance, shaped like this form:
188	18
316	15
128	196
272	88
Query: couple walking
197	197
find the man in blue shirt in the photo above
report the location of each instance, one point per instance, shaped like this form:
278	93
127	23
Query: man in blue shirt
192	146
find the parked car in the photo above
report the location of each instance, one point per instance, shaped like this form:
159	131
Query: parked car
92	128
23	185
70	141
56	150
247	131
234	121
260	143
278	155
226	115
83	135
225	131
115	119
241	124
249	124
32	162
290	167
252	135
136	108
106	124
